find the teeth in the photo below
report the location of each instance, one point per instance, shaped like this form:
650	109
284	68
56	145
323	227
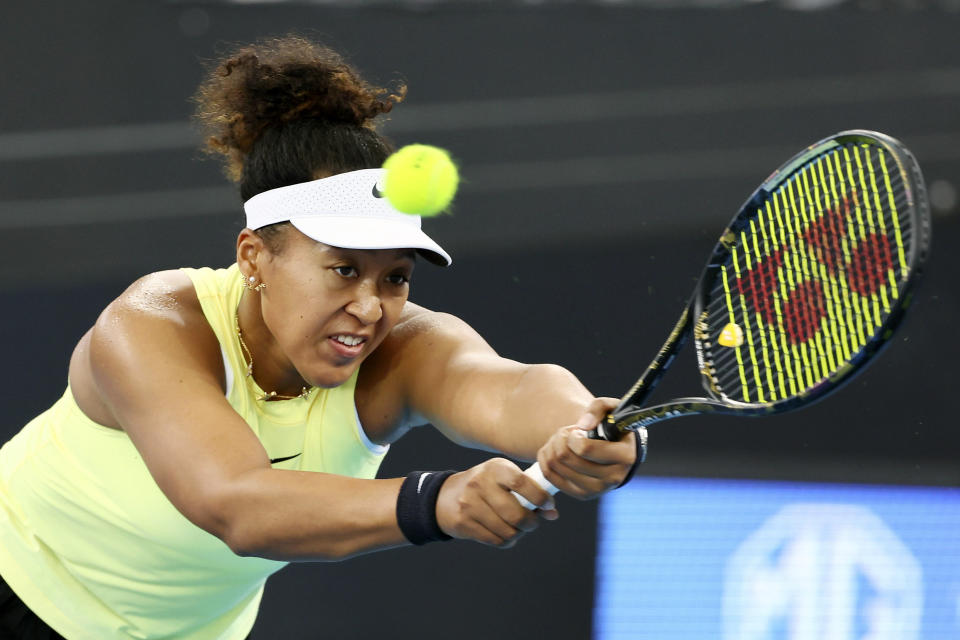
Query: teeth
350	341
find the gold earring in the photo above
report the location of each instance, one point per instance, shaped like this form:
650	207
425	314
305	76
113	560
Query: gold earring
248	284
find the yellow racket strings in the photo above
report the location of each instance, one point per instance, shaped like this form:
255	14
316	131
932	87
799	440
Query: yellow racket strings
811	278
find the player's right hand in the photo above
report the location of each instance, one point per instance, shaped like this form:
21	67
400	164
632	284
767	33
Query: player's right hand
476	504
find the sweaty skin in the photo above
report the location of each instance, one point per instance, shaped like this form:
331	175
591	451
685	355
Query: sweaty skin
151	366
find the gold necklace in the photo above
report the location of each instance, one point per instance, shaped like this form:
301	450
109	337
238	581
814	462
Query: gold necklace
271	395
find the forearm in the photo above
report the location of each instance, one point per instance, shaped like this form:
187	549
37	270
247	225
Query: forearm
298	515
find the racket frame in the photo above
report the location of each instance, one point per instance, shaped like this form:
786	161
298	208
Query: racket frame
630	415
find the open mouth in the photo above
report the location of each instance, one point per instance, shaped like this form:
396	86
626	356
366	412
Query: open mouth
347	345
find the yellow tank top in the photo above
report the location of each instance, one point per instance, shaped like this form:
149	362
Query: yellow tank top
90	543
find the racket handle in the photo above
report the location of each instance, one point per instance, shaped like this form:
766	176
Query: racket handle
600	433
537	476
605	431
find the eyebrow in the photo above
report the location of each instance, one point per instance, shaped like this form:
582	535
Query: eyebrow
400	254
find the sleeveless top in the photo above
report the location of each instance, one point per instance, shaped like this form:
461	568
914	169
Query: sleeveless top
90	543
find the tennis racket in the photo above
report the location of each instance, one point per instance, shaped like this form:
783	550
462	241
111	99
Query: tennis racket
806	284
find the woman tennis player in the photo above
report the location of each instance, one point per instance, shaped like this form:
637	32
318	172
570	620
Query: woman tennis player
219	424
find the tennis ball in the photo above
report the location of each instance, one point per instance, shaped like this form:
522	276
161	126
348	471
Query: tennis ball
420	180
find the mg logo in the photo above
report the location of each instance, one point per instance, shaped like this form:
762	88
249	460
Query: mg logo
822	572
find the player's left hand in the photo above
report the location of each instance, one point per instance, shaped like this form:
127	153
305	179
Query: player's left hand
585	468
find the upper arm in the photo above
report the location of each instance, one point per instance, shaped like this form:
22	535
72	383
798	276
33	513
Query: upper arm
156	364
455	380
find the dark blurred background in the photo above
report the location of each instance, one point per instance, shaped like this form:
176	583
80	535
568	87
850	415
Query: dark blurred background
603	146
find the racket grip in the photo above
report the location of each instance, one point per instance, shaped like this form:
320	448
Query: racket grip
605	431
600	433
537	476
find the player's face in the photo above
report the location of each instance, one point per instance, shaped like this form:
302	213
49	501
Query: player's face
329	308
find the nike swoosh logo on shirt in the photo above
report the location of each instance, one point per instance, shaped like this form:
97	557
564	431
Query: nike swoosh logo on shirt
276	460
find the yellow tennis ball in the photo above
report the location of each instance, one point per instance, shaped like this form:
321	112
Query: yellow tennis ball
420	180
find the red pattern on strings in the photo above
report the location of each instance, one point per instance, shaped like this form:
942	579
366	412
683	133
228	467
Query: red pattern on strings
805	306
825	236
868	264
804	310
760	283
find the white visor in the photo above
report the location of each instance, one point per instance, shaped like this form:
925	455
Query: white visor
346	210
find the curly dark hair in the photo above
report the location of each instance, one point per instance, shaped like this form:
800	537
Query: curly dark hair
288	110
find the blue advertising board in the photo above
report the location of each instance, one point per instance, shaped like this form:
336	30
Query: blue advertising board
683	558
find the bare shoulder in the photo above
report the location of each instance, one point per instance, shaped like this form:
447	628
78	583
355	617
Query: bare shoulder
416	347
155	321
163	307
164	293
419	326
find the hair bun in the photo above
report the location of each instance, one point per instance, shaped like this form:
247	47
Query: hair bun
277	81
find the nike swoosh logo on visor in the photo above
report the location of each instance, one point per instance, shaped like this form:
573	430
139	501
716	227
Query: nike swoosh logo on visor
376	191
276	460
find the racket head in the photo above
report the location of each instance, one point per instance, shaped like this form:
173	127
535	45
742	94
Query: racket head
813	275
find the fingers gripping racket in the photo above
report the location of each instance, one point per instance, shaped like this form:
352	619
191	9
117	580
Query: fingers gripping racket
806	284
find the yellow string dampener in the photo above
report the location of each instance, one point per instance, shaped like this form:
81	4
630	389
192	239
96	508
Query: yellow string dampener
731	335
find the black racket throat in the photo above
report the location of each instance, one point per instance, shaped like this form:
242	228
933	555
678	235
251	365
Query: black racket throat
609	430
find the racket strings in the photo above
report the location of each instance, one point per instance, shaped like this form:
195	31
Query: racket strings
812	277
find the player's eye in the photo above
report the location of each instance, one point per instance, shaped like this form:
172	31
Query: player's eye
398	278
346	271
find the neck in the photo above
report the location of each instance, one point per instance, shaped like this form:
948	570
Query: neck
272	370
